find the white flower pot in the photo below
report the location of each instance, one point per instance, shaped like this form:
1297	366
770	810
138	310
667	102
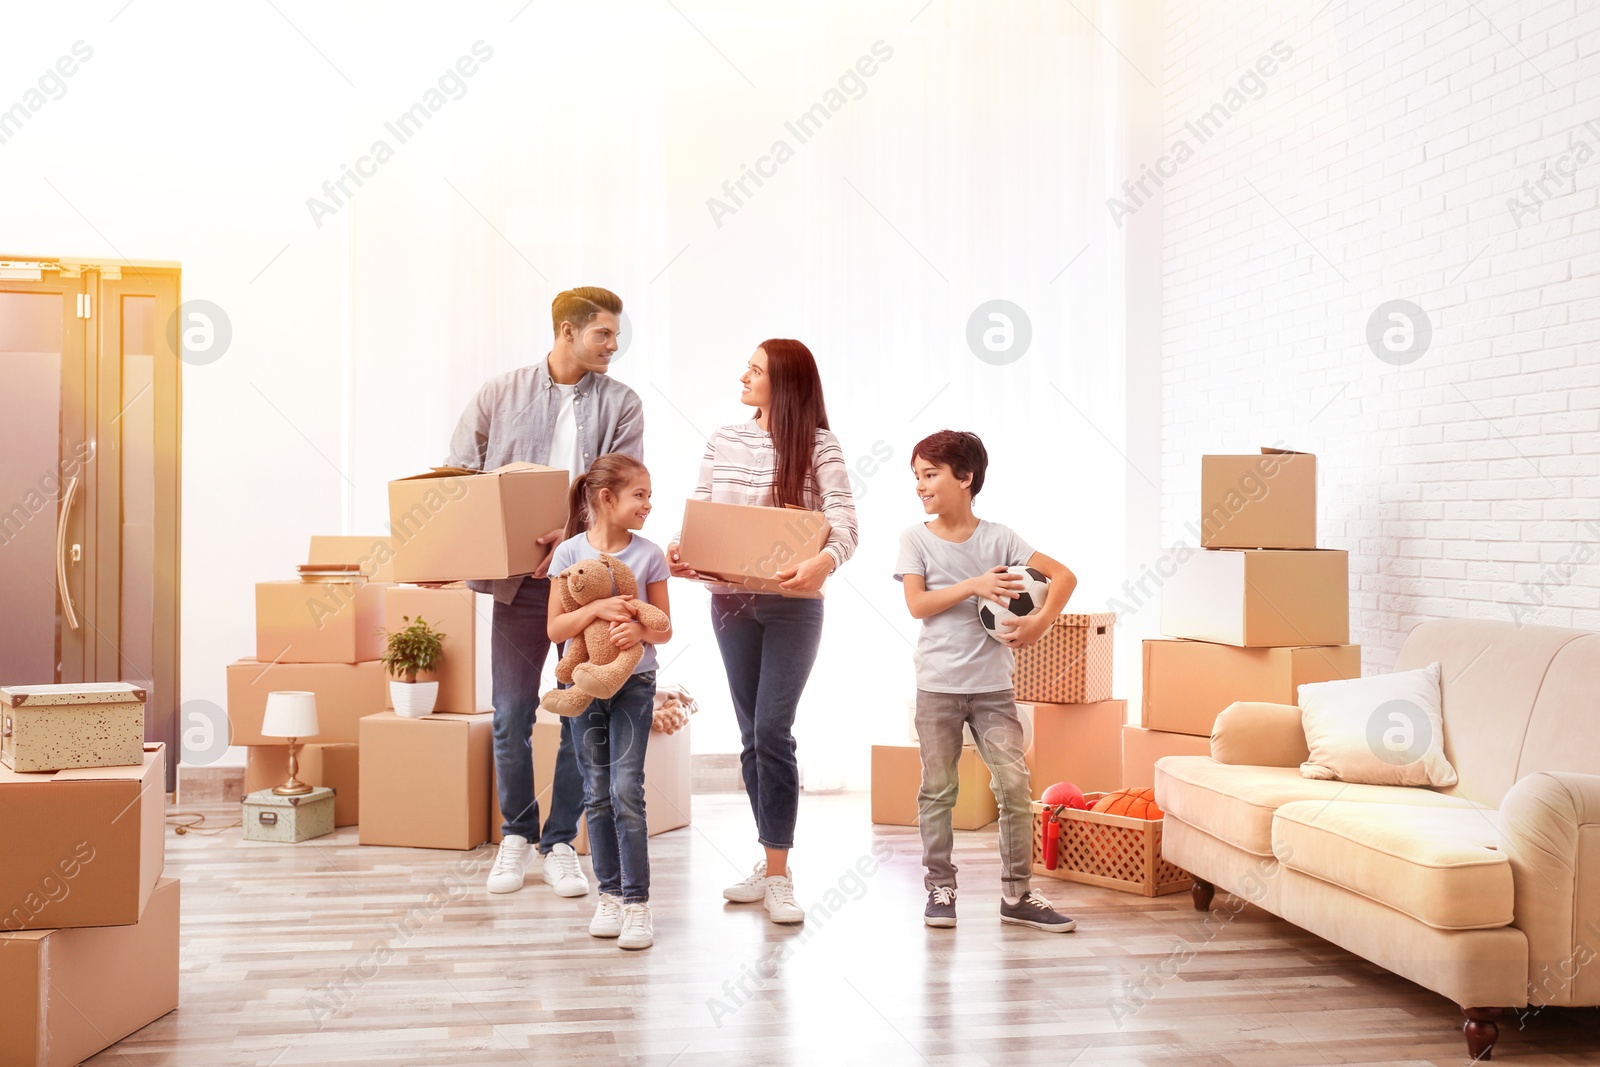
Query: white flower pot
413	700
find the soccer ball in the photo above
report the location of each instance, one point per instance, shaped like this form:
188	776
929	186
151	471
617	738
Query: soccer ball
1035	587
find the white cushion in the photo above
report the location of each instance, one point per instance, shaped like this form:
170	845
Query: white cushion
1382	730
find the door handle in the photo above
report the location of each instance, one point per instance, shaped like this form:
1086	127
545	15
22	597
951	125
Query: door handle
61	553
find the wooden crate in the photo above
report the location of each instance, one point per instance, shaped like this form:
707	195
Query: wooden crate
1111	851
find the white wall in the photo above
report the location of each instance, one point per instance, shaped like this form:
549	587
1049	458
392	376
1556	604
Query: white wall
1378	165
972	166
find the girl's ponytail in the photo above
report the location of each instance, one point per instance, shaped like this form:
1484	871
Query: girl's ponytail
577	507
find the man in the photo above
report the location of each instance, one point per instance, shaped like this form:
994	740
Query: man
561	412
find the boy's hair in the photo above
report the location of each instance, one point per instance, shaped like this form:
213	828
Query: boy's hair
611	471
579	306
962	452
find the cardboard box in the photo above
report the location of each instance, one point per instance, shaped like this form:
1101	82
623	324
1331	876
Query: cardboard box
83	847
319	622
425	782
1265	501
668	781
1141	748
1187	683
68	994
1260	597
1077	743
897	777
1024	713
1071	664
454	613
287	820
346	692
336	766
80	724
374	554
737	544
452	524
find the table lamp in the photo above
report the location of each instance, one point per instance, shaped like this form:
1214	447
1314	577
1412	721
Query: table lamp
292	715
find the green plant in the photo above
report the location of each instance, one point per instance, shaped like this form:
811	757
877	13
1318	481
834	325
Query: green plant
419	647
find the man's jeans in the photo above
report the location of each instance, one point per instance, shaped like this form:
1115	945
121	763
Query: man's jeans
998	732
518	648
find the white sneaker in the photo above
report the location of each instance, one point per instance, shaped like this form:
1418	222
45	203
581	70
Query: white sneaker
510	864
779	900
752	890
636	927
607	921
561	870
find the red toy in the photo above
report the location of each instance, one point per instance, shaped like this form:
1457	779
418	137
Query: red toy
1134	803
1065	795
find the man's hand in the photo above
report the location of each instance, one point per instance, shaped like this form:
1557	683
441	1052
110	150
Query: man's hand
808	575
554	536
1024	633
676	565
998	583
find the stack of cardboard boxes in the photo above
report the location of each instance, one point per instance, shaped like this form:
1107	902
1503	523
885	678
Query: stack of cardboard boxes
326	637
1258	611
89	937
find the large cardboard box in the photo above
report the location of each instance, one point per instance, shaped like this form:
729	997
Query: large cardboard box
1077	743
668	781
336	766
897	776
1260	597
319	622
68	994
425	782
744	545
1141	748
345	693
1187	683
374	554
83	847
454	613
1265	501
1070	664
452	524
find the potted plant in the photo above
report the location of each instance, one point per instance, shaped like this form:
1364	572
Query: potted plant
417	648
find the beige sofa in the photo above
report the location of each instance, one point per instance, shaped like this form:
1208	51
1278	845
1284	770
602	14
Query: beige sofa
1488	892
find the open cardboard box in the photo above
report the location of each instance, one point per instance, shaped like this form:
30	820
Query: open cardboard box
452	524
1265	501
84	847
747	546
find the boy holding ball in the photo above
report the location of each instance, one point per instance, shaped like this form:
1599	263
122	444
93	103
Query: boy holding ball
948	566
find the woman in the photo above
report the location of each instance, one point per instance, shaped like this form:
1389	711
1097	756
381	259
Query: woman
786	455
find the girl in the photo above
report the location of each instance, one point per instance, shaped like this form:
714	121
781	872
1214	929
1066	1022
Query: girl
785	455
605	506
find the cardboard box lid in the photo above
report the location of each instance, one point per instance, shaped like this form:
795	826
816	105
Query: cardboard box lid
72	693
266	798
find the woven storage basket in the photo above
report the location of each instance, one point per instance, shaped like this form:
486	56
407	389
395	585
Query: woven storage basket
1112	851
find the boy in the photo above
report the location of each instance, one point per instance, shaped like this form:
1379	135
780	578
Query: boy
964	675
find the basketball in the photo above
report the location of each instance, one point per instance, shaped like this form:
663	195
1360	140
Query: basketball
1035	586
1064	795
1134	803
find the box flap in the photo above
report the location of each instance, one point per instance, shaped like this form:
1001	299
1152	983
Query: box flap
1267	450
517	468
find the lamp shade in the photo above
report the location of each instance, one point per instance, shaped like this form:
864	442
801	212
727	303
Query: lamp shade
290	714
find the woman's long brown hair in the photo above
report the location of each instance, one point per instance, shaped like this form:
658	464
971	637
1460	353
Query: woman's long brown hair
612	471
798	412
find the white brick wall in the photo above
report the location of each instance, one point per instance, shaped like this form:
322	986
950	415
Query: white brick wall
1382	157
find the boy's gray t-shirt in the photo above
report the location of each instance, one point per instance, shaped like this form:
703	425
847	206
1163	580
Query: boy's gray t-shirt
955	654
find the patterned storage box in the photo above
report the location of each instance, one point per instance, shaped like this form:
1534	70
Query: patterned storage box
1111	851
1071	664
269	817
81	724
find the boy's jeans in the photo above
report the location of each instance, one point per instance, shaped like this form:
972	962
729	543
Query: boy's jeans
998	731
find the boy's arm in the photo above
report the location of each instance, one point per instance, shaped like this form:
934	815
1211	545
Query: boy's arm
992	584
1062	582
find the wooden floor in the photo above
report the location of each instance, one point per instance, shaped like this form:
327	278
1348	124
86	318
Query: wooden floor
327	952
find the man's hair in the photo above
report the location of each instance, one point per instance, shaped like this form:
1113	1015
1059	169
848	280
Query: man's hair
579	306
962	452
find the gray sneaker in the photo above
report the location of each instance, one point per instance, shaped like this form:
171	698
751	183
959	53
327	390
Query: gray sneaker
1036	911
941	909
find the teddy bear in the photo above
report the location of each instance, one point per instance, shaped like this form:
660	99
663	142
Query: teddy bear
592	664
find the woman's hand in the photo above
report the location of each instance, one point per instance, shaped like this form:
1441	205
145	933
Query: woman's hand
997	583
615	609
808	575
676	565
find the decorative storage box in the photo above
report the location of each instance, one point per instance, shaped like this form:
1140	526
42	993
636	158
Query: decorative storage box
1111	851
269	817
1071	664
82	724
